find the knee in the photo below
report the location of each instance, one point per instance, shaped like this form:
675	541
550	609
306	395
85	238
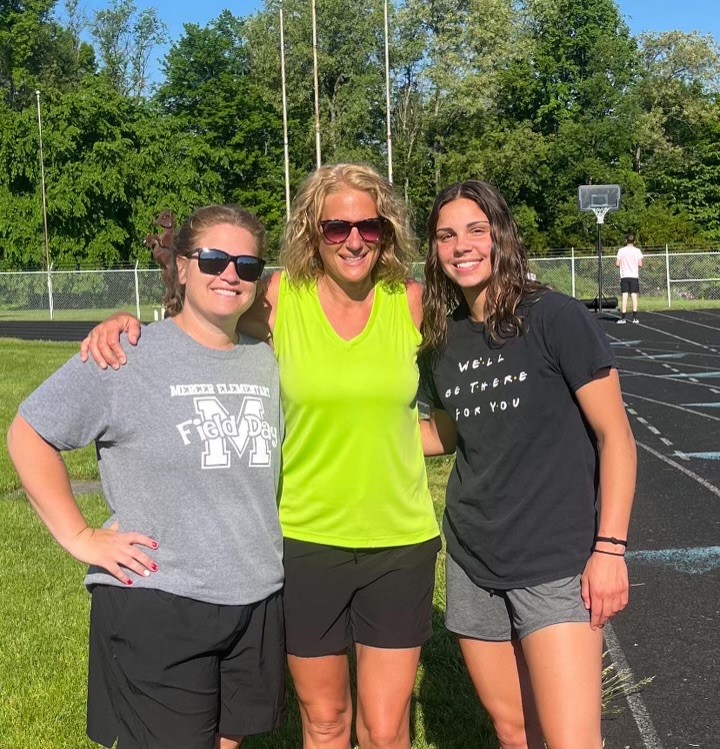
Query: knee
383	736
326	725
512	734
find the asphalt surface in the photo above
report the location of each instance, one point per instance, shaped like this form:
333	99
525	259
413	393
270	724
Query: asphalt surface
46	330
670	374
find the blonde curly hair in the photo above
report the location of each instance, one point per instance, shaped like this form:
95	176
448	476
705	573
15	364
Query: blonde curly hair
301	240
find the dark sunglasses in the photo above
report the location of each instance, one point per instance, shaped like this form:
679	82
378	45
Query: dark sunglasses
214	262
336	231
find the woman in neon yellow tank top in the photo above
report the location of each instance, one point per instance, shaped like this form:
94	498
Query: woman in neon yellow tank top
361	536
360	531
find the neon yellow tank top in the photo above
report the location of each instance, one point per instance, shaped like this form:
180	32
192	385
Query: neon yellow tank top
353	467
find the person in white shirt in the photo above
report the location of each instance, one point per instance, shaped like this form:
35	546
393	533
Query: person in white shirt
629	260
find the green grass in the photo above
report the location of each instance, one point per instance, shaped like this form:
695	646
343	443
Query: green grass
23	366
74	315
44	612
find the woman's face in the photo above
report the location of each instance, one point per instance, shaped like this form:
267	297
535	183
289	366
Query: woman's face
352	259
464	244
223	297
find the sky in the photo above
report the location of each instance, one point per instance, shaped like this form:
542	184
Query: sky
640	15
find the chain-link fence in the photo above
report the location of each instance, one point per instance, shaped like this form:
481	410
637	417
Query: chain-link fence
667	279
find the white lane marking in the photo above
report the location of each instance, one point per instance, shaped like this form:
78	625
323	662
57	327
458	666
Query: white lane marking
700	480
648	734
666	441
689	322
680	338
669	405
696	375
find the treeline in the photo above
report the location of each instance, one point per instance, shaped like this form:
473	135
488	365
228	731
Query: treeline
538	97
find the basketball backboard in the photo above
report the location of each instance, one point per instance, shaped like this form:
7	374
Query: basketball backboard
598	199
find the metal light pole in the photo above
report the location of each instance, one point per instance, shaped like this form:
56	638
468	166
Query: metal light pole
286	145
318	157
387	96
44	206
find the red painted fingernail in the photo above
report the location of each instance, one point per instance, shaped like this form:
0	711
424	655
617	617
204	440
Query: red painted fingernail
154	545
128	582
154	567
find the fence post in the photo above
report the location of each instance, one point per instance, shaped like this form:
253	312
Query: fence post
667	275
572	269
50	290
137	291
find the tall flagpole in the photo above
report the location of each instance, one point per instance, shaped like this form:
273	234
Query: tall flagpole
318	157
387	96
286	145
44	206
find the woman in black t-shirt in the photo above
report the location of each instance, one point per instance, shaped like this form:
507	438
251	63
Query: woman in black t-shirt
521	383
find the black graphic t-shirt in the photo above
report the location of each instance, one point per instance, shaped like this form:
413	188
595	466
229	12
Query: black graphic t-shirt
521	498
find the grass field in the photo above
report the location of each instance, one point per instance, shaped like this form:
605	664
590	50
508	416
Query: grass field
44	613
44	616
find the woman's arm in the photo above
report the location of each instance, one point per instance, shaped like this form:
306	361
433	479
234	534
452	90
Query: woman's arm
103	341
414	294
605	584
47	485
438	433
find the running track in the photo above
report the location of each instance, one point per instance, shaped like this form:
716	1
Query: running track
670	374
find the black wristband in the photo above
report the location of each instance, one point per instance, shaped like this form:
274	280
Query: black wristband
612	540
609	553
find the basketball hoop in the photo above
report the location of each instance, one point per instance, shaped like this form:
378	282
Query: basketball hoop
600	213
599	199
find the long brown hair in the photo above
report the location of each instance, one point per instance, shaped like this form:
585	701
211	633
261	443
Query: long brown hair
184	243
509	281
301	240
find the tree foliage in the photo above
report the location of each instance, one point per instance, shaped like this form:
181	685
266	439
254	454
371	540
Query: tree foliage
537	96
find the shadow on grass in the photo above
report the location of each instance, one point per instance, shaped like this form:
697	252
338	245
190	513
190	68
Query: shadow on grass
447	709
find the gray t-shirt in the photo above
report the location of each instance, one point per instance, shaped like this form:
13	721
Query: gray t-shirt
188	443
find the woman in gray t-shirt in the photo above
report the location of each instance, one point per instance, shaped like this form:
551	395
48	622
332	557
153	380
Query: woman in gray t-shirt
186	632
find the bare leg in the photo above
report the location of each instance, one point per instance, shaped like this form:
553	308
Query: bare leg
386	677
565	666
228	742
624	302
499	674
323	689
634	302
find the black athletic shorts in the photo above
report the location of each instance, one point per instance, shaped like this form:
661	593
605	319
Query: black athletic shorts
335	597
629	286
167	672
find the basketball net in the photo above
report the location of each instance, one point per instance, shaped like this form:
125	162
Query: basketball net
600	213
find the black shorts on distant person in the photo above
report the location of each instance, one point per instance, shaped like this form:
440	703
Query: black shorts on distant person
335	597
168	672
629	285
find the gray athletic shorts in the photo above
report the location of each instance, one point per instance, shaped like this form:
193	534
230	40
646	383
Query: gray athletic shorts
501	615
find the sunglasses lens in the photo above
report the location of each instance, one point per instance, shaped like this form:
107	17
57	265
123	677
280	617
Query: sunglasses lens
337	231
212	262
249	268
370	230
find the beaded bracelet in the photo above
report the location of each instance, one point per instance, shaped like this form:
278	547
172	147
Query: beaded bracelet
612	540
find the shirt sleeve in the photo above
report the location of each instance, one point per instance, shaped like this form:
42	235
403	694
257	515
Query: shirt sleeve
70	409
578	344
427	397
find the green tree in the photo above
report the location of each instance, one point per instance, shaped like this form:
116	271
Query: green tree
126	39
